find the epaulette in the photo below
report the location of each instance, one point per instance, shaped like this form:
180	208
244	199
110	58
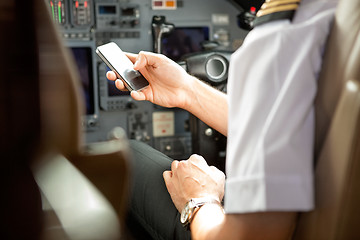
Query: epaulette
276	9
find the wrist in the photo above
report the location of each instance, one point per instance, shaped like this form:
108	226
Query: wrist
192	92
191	208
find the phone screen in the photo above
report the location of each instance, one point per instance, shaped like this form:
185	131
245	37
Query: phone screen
118	62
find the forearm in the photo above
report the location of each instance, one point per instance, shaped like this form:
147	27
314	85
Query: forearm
211	223
208	222
209	105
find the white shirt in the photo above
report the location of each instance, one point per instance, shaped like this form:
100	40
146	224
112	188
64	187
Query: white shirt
272	85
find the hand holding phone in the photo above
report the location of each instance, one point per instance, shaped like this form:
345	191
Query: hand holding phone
121	65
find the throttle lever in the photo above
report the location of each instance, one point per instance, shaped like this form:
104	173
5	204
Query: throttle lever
160	28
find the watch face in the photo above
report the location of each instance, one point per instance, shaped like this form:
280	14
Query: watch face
185	213
190	208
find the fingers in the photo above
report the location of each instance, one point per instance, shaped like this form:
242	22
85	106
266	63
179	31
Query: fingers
141	61
220	175
167	176
120	85
201	163
174	166
111	75
197	158
147	59
216	170
131	56
198	161
138	95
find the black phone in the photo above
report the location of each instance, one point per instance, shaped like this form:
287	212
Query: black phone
118	62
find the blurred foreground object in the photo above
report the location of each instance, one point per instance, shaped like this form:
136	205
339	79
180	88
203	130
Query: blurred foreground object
56	186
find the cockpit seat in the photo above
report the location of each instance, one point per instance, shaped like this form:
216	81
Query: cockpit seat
337	149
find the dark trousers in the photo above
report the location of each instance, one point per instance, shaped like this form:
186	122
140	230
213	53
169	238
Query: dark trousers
152	214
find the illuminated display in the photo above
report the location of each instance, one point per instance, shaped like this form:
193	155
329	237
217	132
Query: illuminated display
81	12
57	9
164	4
83	59
106	9
184	40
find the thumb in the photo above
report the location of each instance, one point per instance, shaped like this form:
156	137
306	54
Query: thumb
145	59
131	56
167	175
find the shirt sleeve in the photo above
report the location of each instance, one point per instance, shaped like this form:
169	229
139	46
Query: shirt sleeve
272	85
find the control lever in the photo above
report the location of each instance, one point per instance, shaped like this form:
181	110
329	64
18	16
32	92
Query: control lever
160	28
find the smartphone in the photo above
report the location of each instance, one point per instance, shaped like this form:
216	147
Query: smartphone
119	63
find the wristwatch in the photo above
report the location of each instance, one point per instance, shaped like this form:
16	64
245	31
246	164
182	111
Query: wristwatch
191	208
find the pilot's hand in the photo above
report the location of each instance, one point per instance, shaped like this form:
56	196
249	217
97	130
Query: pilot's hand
193	178
169	83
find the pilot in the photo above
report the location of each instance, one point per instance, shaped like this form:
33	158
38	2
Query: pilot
268	118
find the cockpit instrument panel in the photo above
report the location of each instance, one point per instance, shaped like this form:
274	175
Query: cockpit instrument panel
82	13
196	26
